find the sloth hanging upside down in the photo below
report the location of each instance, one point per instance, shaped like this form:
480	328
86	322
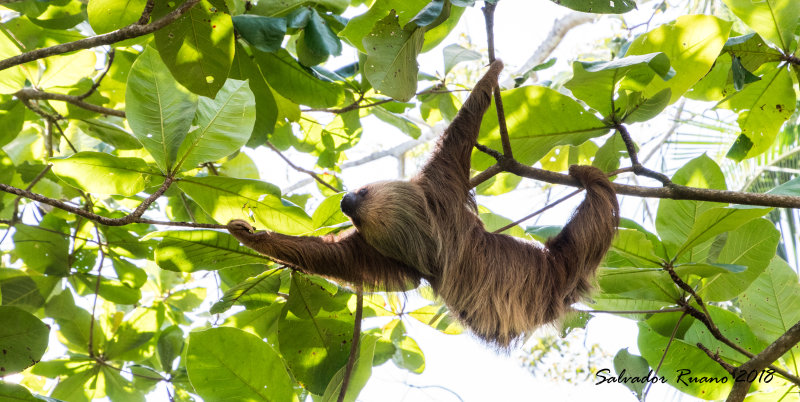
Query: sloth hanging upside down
499	286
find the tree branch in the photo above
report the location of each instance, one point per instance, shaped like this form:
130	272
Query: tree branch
131	31
762	360
35	94
311	173
351	360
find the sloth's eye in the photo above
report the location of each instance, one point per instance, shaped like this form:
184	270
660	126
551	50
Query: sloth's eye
362	192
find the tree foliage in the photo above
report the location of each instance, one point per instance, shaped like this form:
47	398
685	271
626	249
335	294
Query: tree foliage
125	123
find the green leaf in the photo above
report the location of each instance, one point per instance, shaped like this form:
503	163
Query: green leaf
108	133
741	76
66	70
12	117
43	248
716	221
455	54
291	80
651	284
631	248
198	47
253	293
360	26
214	363
391	65
628	365
266	109
771	305
676	218
362	370
224	124
319	38
752	245
751	50
596	82
774	20
652	346
429	13
108	15
542	119
315	334
763	107
129	274
275	8
197	250
110	289
438	318
598	6
641	109
264	33
329	213
125	176
23	339
16	392
226	198
401	122
692	44
74	323
169	346
159	110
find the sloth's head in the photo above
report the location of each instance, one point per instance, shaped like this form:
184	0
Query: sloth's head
393	217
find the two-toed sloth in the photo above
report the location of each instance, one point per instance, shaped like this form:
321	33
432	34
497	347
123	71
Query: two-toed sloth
499	286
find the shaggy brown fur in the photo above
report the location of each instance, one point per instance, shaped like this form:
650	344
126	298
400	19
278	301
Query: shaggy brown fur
426	228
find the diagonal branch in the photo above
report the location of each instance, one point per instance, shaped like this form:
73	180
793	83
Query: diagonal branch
131	31
488	15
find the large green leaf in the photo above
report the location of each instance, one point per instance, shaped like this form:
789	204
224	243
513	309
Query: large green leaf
198	47
631	248
214	363
196	250
109	289
252	293
362	370
108	133
23	339
159	110
763	107
360	26
223	125
226	198
290	79
43	248
122	176
652	345
264	33
751	245
267	110
277	8
751	50
774	20
538	119
315	334
732	327
651	284
11	79
108	15
598	6
691	42
676	218
596	82
74	324
391	65
716	221
771	305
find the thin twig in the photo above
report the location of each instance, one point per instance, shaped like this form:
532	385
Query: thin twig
637	167
96	293
716	357
14	217
351	360
300	169
102	75
131	31
148	9
545	208
488	16
664	355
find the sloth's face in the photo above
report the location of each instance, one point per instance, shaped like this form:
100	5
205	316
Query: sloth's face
390	215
